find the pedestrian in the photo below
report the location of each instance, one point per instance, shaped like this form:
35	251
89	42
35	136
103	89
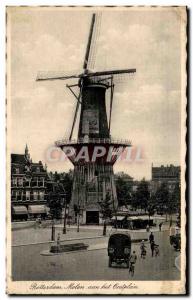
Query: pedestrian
152	248
160	227
40	221
36	223
151	238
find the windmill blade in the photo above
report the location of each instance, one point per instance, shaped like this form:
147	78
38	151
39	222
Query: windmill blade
74	120
112	72
55	75
76	112
94	42
89	43
122	78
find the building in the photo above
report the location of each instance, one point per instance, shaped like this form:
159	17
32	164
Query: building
165	174
28	186
93	180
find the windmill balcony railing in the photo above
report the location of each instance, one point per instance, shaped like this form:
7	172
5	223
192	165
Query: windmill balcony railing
63	142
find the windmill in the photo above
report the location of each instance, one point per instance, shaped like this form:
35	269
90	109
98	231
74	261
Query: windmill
93	179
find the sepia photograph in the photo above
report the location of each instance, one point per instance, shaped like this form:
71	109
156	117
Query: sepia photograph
96	148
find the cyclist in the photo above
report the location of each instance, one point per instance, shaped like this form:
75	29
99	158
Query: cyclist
143	250
156	248
132	260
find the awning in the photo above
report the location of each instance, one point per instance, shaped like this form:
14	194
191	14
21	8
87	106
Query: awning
158	218
37	209
20	210
134	218
119	218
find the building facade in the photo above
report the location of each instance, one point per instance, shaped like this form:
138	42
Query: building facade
165	174
28	185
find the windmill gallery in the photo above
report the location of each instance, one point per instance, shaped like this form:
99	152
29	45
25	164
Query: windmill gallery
93	173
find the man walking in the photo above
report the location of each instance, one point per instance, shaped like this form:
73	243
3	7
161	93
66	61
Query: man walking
152	248
151	238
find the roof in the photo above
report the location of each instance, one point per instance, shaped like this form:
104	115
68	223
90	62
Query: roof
18	158
21	161
117	232
130	212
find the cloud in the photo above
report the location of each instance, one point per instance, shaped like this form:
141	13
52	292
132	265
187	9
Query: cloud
146	107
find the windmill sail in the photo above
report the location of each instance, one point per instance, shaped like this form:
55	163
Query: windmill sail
89	43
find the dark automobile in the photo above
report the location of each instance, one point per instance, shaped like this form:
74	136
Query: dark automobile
119	248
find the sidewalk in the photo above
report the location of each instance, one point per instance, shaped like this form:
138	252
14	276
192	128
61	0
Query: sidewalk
165	227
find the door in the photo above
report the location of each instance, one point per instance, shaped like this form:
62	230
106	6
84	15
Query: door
92	217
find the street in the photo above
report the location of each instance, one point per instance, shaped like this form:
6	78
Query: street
29	264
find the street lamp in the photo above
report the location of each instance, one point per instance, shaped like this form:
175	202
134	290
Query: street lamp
80	186
65	206
53	231
78	218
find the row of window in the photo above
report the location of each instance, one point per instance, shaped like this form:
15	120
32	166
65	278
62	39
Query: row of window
28	182
27	196
27	168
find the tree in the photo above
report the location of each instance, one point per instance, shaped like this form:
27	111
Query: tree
56	176
162	198
142	195
67	181
135	201
56	194
123	187
106	210
151	206
176	197
174	202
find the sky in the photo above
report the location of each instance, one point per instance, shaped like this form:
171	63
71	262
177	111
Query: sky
146	106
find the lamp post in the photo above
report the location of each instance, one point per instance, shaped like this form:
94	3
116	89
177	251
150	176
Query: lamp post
53	231
80	185
78	218
65	206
